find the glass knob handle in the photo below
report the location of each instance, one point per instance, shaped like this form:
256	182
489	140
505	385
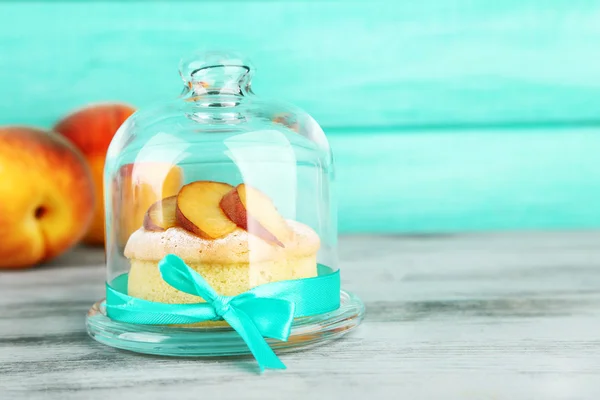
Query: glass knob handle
216	72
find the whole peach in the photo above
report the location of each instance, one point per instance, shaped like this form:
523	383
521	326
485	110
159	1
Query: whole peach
47	196
91	130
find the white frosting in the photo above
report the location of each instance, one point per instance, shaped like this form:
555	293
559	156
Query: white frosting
235	247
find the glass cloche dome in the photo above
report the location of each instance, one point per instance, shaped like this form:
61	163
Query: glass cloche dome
240	188
237	187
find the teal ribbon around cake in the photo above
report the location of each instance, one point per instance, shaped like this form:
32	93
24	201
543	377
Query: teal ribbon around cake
265	311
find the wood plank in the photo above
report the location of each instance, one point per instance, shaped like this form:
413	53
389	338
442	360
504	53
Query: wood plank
449	64
369	64
468	180
491	316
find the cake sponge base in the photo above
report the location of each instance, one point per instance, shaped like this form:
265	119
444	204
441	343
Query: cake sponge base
145	281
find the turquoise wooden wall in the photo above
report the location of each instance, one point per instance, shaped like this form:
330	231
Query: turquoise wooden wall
443	115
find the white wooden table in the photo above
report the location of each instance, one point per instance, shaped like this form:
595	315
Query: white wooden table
489	316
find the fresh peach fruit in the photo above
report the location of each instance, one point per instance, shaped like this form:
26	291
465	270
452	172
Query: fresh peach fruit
47	196
91	129
161	215
198	209
252	210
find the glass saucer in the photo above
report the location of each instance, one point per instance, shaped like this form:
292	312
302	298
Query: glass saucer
221	341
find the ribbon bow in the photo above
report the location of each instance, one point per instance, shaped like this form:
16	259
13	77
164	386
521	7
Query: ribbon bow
252	317
264	311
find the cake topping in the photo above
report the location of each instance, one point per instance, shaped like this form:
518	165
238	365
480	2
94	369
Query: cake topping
161	215
212	210
198	209
237	247
254	211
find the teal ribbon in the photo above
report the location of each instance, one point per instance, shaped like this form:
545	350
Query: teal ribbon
264	311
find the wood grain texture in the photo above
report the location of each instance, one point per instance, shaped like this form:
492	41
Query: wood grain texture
368	72
357	63
495	316
468	180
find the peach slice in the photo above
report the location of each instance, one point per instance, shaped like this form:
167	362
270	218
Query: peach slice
198	209
254	211
136	188
161	215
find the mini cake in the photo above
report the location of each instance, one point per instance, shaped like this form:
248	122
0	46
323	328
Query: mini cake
231	265
233	257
